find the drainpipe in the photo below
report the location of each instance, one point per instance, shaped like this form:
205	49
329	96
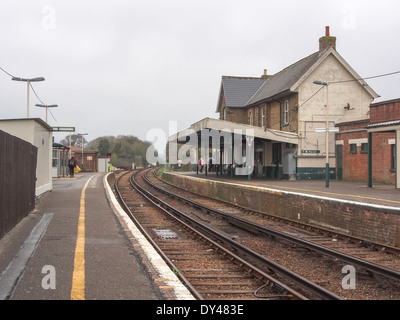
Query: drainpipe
397	159
369	159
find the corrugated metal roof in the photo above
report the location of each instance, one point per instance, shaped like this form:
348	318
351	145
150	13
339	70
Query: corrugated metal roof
238	90
284	80
384	124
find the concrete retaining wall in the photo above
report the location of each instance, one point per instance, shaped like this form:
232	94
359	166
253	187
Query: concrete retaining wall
371	222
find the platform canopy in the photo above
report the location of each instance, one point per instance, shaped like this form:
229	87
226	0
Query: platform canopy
233	127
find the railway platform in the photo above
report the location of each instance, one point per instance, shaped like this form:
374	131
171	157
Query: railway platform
348	208
78	244
351	191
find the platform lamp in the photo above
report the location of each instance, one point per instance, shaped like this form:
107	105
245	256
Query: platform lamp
326	130
47	106
28	81
82	134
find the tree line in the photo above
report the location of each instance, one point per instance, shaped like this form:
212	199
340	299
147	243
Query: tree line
124	150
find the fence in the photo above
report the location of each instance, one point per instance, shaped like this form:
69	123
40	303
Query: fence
18	160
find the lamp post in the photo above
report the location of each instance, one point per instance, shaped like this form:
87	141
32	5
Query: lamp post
82	134
47	106
321	83
28	81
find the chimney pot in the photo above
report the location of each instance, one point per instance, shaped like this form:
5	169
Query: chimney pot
327	41
265	75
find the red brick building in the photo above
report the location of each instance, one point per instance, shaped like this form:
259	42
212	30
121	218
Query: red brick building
89	162
352	145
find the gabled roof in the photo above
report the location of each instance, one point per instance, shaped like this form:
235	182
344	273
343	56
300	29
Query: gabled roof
356	77
238	90
284	80
244	92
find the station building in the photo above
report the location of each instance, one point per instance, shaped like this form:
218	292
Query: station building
367	150
293	113
87	160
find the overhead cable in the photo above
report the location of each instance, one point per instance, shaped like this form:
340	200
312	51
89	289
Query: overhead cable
6	72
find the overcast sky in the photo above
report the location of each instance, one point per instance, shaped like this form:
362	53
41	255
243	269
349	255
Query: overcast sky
126	67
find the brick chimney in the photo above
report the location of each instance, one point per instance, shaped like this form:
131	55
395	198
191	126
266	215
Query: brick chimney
265	75
327	41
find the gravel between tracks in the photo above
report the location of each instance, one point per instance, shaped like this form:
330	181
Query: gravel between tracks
320	269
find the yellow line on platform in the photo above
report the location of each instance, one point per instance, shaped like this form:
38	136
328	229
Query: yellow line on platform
78	276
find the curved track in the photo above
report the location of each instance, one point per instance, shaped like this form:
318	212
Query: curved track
321	251
343	247
270	284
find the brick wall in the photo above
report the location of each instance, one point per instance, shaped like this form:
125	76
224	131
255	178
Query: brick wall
238	115
355	165
273	113
381	147
385	111
89	160
382	157
365	221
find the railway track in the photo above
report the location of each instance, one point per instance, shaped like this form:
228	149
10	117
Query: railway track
211	264
377	264
374	257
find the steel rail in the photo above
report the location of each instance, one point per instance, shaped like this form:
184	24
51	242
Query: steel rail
375	268
178	215
186	282
305	226
299	280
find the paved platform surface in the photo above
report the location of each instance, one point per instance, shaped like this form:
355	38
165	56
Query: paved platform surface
75	245
379	194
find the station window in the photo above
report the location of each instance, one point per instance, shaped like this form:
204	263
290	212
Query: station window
286	112
393	166
364	148
263	123
353	148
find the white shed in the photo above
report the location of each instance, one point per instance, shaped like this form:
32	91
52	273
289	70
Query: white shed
38	133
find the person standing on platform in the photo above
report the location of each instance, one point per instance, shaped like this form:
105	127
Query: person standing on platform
201	164
71	165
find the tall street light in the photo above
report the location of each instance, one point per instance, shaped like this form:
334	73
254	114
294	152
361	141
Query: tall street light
321	83
47	106
82	134
28	81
